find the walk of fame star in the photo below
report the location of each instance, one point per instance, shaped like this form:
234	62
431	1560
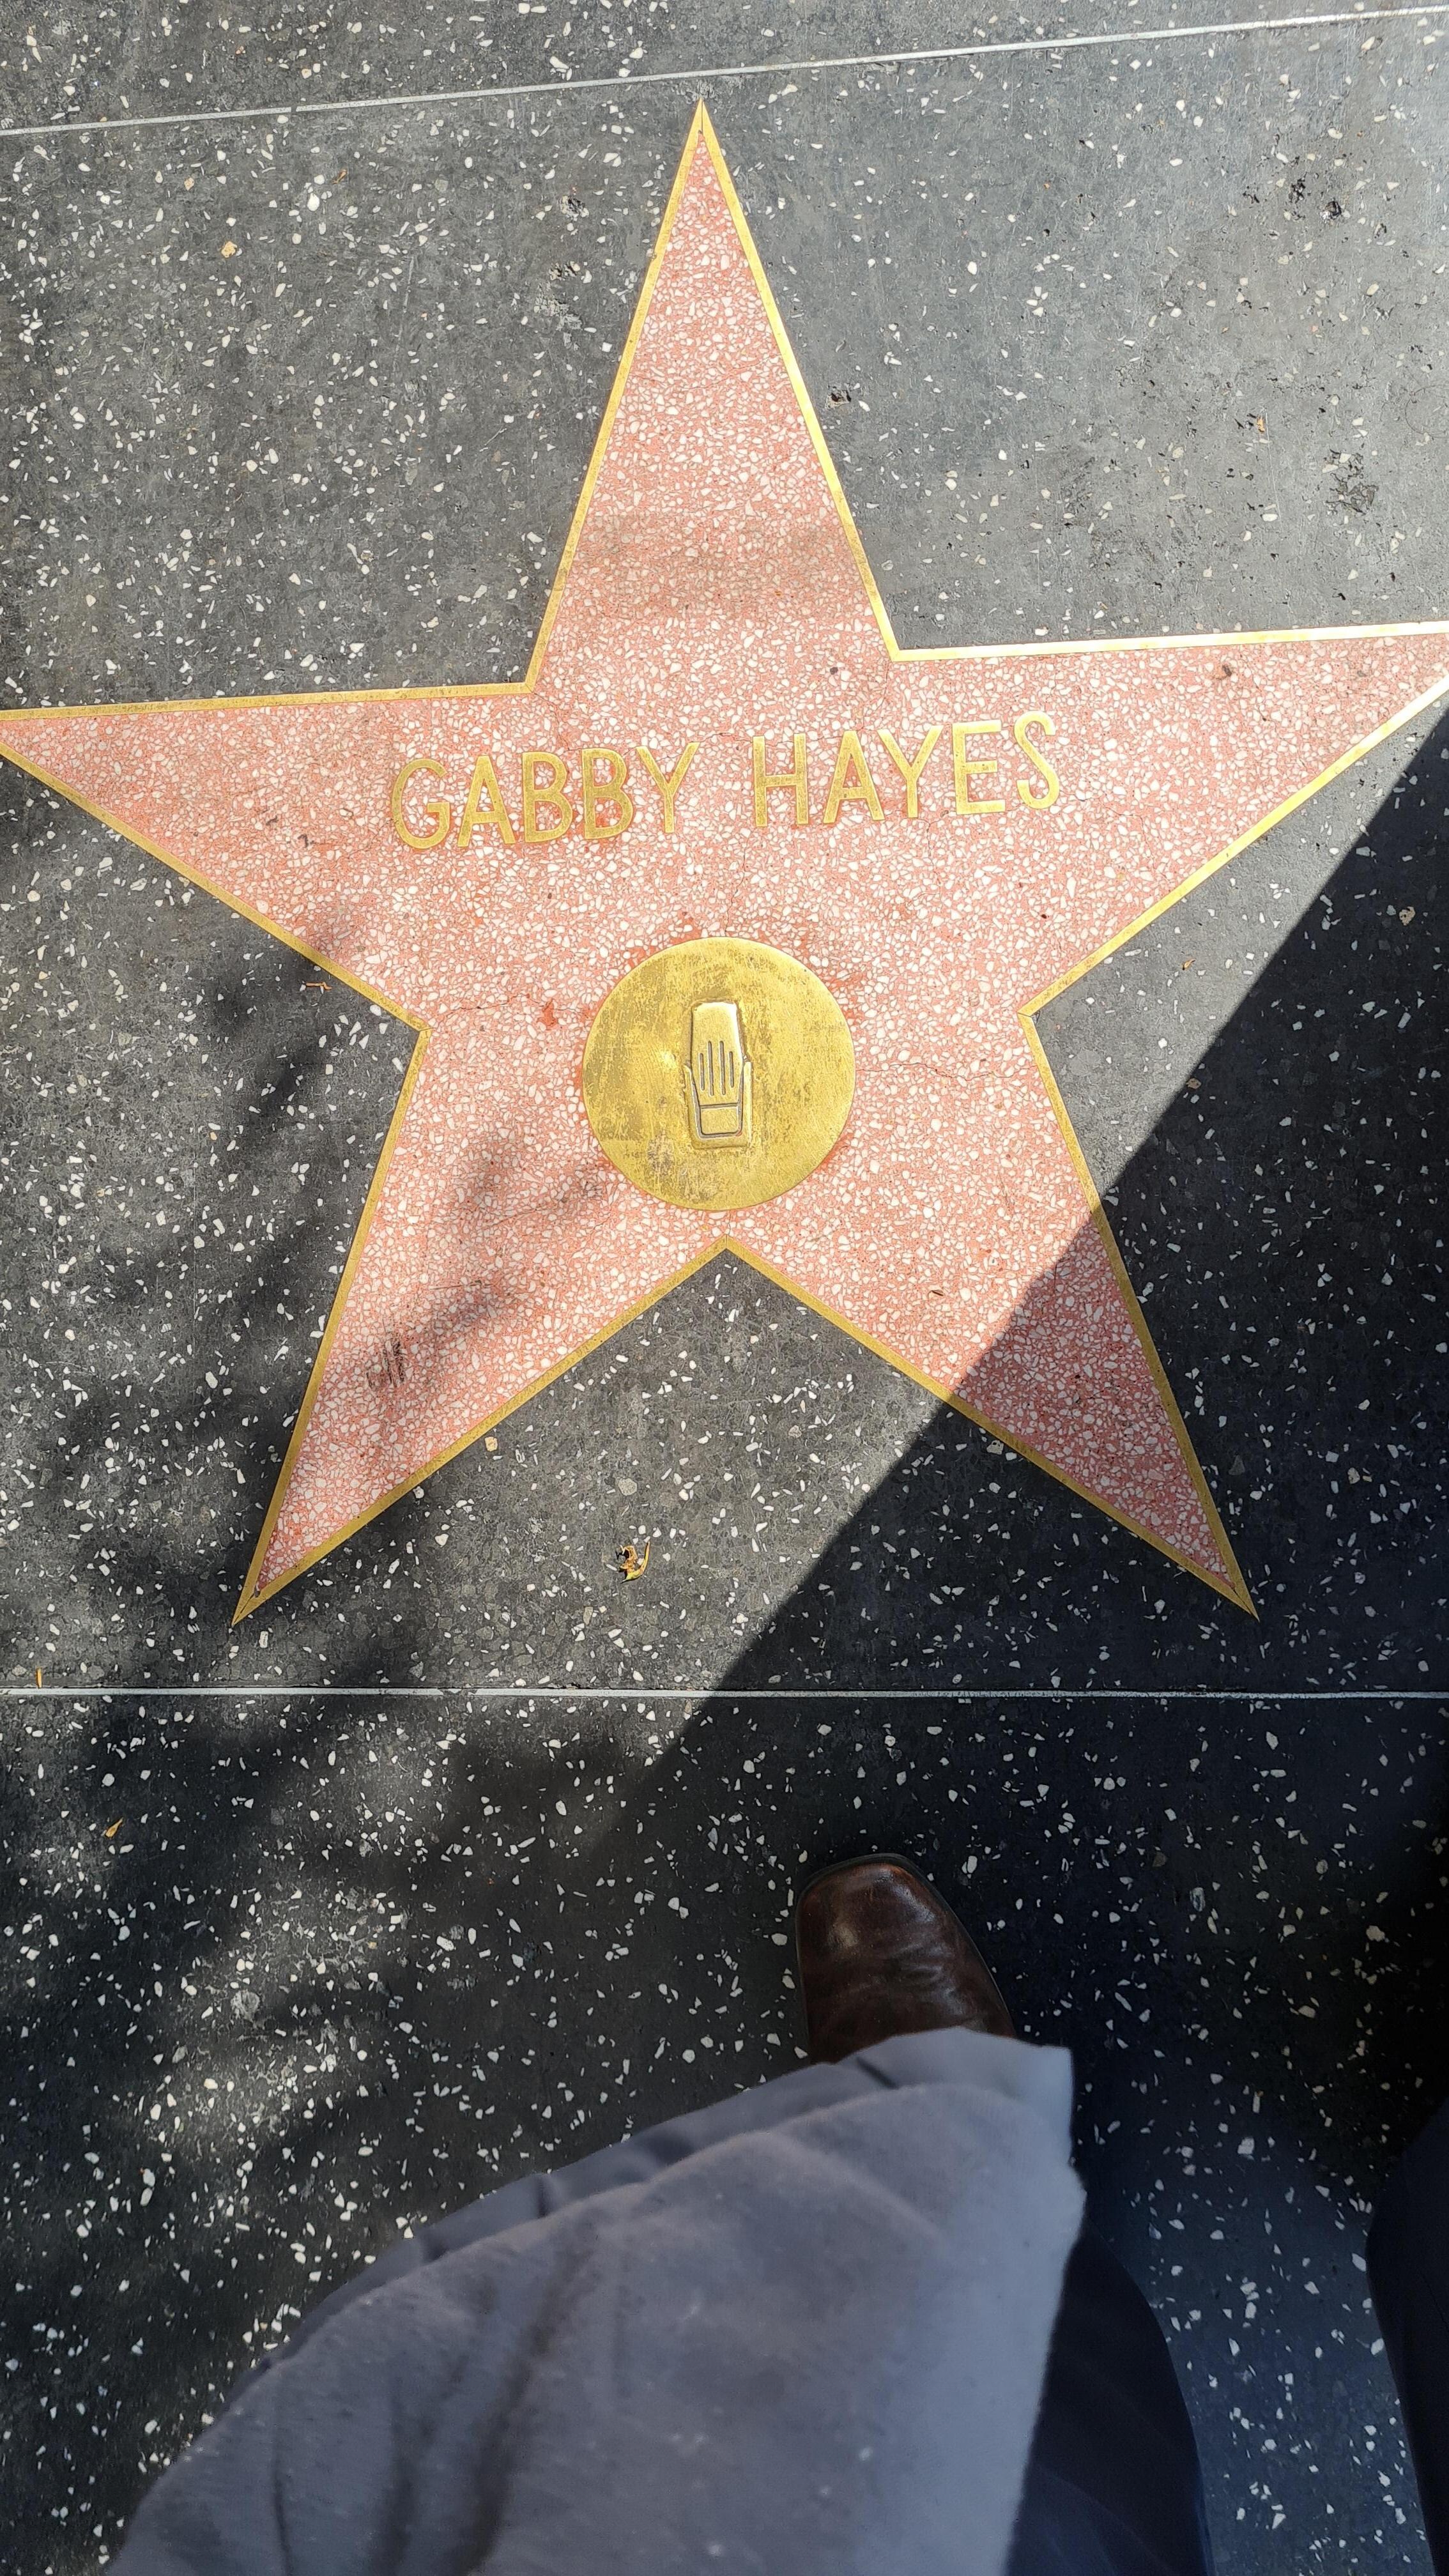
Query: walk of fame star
720	749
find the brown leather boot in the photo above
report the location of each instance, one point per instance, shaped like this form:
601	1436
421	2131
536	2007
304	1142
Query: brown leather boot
880	1952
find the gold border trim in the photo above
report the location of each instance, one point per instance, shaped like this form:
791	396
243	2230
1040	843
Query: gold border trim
448	691
251	1591
701	130
1238	1590
194	876
1257	832
252	1600
1232	1587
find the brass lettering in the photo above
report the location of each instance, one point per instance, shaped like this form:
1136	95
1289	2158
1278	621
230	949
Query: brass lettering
851	782
543	784
483	806
911	769
768	781
1039	762
668	787
967	770
437	808
604	774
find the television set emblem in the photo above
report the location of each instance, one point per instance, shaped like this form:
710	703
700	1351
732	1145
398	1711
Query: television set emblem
719	1077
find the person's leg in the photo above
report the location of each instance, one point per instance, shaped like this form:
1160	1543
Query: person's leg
879	1956
1113	2487
1408	2261
815	2340
637	2159
809	2325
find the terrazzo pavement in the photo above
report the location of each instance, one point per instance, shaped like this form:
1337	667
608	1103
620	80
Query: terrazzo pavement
287	1973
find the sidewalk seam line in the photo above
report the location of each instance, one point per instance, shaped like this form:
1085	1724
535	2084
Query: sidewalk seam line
900	58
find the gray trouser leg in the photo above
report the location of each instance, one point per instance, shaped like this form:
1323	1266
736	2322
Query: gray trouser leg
805	2329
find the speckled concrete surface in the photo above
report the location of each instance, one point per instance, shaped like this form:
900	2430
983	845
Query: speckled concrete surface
1232	1904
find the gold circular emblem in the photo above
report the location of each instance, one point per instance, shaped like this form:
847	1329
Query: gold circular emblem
718	1074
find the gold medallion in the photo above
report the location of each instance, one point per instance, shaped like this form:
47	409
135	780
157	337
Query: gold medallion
718	1074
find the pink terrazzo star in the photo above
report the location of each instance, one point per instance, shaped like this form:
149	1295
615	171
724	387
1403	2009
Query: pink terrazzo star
713	591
